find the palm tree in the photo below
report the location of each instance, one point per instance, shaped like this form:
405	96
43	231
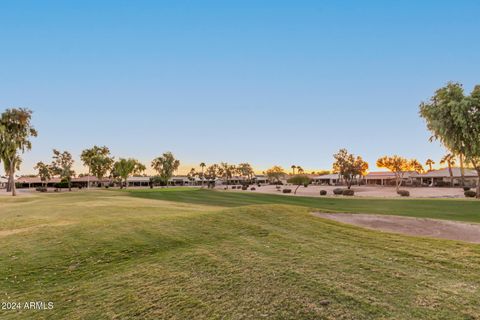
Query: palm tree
203	165
293	169
300	170
449	159
429	163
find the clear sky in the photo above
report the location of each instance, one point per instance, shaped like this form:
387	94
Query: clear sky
267	82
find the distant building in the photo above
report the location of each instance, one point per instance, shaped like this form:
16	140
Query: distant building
3	182
138	181
327	179
442	176
381	178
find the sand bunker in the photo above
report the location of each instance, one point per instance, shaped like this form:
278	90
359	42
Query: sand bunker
452	230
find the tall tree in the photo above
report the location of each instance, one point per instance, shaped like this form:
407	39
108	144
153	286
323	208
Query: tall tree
165	165
98	161
15	133
275	174
300	170
211	174
348	166
226	171
293	169
449	160
202	166
429	163
44	172
245	170
123	168
399	166
6	166
454	119
62	165
191	176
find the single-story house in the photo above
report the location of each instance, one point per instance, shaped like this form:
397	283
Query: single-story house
3	182
442	177
92	181
138	181
383	178
261	179
327	179
34	182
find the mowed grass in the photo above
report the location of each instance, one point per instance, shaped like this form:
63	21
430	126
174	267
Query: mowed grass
108	255
448	209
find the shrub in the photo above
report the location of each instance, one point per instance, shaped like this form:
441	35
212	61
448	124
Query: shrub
323	192
41	189
466	188
348	192
253	188
287	190
106	187
244	187
234	187
470	194
338	191
278	187
403	193
305	185
258	185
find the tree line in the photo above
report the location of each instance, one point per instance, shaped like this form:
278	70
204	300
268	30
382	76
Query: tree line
451	116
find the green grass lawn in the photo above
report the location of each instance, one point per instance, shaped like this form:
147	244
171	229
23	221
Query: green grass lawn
197	254
449	209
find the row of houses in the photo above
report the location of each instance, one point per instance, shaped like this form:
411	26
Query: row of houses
141	181
432	178
439	177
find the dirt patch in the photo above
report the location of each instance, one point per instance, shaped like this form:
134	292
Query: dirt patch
4	233
443	229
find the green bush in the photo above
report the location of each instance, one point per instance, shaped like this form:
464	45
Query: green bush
338	191
348	192
287	190
403	193
41	189
244	187
253	188
466	188
470	194
323	192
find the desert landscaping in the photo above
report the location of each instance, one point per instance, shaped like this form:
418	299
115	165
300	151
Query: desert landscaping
360	191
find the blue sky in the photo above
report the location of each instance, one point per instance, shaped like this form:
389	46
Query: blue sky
268	82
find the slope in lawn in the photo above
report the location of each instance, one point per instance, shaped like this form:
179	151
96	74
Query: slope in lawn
459	209
125	257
